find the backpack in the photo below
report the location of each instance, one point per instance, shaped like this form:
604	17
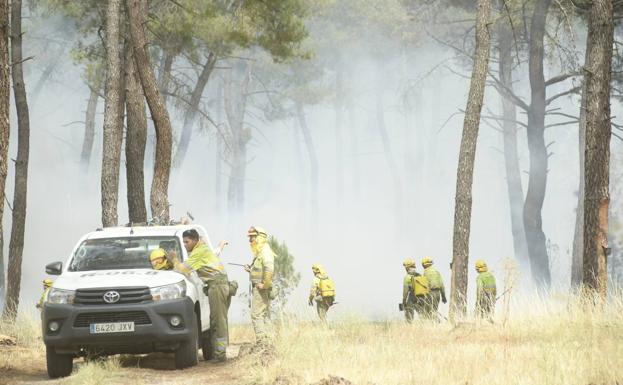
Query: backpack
419	284
327	288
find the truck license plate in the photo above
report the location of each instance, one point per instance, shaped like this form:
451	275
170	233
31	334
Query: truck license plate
113	327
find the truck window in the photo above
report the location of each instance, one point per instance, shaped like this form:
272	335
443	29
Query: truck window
120	253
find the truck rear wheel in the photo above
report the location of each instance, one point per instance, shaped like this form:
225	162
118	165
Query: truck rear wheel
59	365
206	346
187	355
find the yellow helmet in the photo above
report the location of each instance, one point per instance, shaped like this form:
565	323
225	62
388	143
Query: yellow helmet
427	261
47	283
256	230
481	265
316	267
158	253
408	263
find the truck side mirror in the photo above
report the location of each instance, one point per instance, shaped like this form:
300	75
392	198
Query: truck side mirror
54	268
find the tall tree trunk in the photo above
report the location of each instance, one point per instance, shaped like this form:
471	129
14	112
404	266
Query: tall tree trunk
16	244
135	141
89	126
537	182
190	115
313	166
597	152
578	235
164	75
509	132
162	166
465	169
5	88
240	137
113	116
339	134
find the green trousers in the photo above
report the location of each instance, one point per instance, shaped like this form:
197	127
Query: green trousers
485	306
218	297
322	307
409	309
260	315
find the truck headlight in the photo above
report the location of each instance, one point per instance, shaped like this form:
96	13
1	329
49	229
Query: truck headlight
61	296
173	291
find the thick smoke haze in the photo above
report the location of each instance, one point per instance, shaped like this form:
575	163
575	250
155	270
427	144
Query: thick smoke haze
361	240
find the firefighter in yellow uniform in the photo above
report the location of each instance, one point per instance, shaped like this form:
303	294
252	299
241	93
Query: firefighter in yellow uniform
47	285
159	261
210	269
486	291
437	289
322	291
408	298
261	272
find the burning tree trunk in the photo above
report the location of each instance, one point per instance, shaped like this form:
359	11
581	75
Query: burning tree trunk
190	116
511	158
537	182
597	151
5	87
162	166
313	166
89	125
135	142
113	116
465	170
16	245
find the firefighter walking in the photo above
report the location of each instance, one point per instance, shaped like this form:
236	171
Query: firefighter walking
486	291
437	289
322	292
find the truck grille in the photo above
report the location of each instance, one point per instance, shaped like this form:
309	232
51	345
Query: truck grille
86	319
127	295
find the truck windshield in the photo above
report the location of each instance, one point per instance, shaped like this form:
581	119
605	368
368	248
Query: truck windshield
120	253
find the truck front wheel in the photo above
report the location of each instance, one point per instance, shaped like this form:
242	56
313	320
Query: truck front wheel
59	365
187	355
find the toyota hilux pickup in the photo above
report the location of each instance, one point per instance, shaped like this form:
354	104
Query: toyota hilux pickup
109	300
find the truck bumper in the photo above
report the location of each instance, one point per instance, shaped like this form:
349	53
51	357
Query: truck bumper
152	329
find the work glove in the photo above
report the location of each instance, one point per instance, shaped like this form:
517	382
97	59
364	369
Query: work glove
444	300
311	302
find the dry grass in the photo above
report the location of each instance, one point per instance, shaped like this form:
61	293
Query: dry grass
542	342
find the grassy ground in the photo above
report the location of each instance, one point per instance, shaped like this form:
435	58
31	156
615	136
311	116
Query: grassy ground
556	341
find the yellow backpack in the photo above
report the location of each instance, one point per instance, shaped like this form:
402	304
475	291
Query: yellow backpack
327	287
419	284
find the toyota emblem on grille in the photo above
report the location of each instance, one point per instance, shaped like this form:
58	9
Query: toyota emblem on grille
111	297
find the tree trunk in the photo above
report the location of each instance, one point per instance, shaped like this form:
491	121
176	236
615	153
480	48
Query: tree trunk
313	166
5	88
537	182
240	137
597	152
164	75
578	235
89	126
135	141
16	244
465	170
509	132
339	135
162	166
113	116
190	115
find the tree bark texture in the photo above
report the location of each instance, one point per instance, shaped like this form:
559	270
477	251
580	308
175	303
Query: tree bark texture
113	116
162	166
190	115
597	71
89	126
313	166
537	182
135	141
5	88
16	244
509	133
465	170
578	235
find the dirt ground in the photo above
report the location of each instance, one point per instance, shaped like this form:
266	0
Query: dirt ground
152	369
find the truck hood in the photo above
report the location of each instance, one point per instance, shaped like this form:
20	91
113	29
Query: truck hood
116	279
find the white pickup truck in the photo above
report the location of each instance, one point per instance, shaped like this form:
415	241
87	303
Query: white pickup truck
109	300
